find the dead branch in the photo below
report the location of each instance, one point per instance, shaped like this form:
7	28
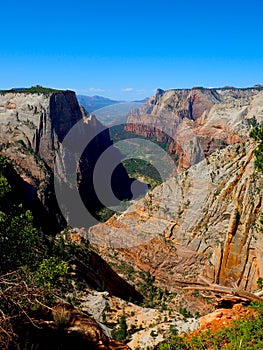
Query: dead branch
206	296
231	292
43	305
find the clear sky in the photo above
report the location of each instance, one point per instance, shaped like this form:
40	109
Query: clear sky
127	49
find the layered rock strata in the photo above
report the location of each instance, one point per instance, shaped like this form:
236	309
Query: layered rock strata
206	220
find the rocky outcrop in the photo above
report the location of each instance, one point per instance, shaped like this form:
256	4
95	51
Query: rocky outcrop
97	273
146	326
33	127
224	317
38	121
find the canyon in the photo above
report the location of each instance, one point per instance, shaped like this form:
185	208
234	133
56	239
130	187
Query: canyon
210	211
203	223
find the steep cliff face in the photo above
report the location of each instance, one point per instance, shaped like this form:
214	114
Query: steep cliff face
205	221
39	121
198	121
33	127
55	121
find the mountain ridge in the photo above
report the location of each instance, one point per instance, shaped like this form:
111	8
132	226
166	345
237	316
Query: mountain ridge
92	103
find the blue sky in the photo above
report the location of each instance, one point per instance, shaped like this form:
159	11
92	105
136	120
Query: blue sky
125	50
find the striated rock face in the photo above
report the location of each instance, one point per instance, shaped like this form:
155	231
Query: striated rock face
40	121
205	221
33	127
209	214
196	122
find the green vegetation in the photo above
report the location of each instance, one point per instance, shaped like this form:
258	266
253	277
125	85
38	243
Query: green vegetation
104	214
35	269
137	168
183	311
37	89
242	334
49	271
141	165
260	283
256	87
153	295
153	334
5	188
120	332
19	239
257	135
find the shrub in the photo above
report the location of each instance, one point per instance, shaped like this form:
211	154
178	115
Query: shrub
257	135
49	272
260	283
120	333
153	334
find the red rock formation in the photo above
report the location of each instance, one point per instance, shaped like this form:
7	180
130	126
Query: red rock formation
177	117
212	210
224	317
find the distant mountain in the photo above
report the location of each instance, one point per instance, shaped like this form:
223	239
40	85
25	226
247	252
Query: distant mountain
107	111
92	103
116	113
144	100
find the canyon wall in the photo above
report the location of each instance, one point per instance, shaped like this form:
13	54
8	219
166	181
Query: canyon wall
206	220
33	127
195	122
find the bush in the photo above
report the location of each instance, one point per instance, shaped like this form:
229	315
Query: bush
20	242
49	272
120	333
257	135
260	283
